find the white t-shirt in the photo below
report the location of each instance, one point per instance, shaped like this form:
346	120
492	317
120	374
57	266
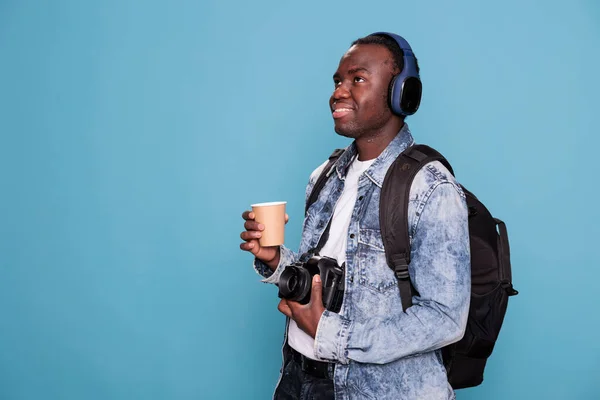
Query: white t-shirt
335	246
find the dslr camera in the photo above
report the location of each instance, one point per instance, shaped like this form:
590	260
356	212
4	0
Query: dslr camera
295	282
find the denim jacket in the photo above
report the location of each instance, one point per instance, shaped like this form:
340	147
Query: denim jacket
382	352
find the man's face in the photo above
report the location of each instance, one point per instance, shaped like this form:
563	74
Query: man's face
359	100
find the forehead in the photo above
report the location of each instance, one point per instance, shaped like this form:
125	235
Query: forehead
370	56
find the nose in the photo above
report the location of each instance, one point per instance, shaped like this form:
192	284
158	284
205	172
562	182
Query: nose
340	92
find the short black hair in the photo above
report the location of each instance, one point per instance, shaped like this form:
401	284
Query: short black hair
391	45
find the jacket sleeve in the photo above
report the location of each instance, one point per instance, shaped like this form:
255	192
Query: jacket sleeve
441	273
287	256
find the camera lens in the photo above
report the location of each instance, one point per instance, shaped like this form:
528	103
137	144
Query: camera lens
294	283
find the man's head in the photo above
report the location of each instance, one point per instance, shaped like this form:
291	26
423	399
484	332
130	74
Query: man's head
390	44
360	102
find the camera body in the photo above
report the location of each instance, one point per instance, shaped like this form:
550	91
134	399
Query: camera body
295	282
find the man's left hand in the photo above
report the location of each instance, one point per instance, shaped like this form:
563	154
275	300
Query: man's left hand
307	316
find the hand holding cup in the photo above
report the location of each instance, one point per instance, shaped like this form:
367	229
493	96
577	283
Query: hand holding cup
264	231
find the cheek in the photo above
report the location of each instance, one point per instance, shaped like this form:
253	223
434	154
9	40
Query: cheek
376	105
376	97
383	101
385	96
383	93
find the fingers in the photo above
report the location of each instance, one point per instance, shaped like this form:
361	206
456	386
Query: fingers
252	225
251	246
250	235
316	293
284	308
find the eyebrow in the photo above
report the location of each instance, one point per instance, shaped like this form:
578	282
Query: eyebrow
357	69
353	71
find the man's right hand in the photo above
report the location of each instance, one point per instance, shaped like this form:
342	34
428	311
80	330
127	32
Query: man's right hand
268	255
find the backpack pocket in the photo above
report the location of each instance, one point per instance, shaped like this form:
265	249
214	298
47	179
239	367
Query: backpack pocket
466	359
486	315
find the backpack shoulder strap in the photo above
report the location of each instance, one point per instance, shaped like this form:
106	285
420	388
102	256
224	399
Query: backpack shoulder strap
322	179
504	258
393	209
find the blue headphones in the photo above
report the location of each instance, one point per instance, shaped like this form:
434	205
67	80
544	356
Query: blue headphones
405	88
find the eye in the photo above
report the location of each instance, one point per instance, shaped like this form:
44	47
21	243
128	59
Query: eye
336	82
358	79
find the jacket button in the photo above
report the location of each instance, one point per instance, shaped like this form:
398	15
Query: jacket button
361	197
352	236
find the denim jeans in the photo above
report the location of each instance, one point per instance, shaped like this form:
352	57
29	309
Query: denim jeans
297	385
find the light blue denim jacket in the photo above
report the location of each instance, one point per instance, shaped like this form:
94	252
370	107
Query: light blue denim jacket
380	351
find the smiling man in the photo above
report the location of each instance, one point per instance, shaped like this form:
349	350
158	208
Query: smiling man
370	348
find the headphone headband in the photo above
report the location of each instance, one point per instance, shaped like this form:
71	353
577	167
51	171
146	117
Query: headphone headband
399	39
406	87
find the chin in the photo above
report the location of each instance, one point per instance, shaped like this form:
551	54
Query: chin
346	131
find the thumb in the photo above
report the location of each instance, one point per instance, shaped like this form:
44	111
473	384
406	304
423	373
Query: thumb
284	308
316	295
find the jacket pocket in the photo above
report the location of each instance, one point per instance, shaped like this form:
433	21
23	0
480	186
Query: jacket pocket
373	268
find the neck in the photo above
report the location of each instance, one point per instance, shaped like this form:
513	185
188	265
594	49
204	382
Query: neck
371	146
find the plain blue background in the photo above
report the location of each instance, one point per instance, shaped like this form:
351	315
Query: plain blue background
135	133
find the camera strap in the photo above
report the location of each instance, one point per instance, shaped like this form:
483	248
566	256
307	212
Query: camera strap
323	238
316	250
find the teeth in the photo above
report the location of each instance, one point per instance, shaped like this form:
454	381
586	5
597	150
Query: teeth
342	109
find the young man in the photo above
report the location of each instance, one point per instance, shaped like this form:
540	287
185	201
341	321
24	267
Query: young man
371	348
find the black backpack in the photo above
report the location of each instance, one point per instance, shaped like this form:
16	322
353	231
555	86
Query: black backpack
491	280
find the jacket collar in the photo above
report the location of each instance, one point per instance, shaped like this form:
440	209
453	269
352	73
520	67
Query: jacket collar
378	169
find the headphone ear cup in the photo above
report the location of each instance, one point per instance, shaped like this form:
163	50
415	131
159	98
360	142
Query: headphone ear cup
394	95
410	98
